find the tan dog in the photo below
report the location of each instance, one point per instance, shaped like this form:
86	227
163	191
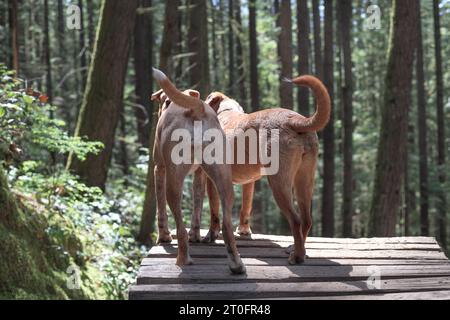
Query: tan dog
298	146
180	110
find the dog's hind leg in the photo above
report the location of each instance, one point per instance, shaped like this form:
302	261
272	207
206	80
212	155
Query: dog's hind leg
246	209
221	176
160	189
282	192
304	188
174	192
214	207
199	195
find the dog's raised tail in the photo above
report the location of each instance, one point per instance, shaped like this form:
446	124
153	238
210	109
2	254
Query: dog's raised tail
322	115
176	96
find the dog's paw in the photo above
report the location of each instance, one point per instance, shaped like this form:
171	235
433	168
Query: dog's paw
194	235
211	237
238	268
184	261
294	259
164	237
244	231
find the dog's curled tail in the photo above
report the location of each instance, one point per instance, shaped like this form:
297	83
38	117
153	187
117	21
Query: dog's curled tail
322	115
176	96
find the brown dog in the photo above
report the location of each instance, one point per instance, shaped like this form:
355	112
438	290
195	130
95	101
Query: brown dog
298	152
179	111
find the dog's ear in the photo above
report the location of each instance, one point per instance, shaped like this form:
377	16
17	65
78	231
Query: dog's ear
214	101
193	93
158	96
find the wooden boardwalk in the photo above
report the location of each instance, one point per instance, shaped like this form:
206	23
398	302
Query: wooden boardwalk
379	268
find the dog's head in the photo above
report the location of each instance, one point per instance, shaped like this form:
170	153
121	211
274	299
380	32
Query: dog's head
164	100
220	103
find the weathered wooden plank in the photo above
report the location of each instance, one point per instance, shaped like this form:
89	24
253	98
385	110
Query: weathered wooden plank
253	290
188	274
429	295
218	252
328	246
308	262
424	240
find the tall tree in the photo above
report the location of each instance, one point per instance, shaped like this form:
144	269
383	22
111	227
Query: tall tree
198	44
169	40
13	29
91	25
345	25
328	134
48	78
240	55
442	197
231	47
392	143
83	63
318	62
257	213
303	53
422	130
143	48
102	104
284	21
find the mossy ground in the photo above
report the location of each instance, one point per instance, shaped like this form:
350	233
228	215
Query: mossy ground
33	265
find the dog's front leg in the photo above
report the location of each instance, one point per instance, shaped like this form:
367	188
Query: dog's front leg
246	209
199	195
214	207
160	189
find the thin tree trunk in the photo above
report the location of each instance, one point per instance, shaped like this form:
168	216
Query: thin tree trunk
345	14
102	103
317	40
231	62
442	197
48	78
124	163
390	169
422	130
240	56
91	24
13	29
284	21
143	47
169	40
198	44
83	63
328	134
303	53
257	214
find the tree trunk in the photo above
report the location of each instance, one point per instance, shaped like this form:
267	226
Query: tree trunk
317	40
48	78
83	63
328	134
284	21
345	25
13	29
303	53
422	130
389	171
91	24
102	102
124	163
442	197
169	36
143	48
240	56
231	62
198	44
257	214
